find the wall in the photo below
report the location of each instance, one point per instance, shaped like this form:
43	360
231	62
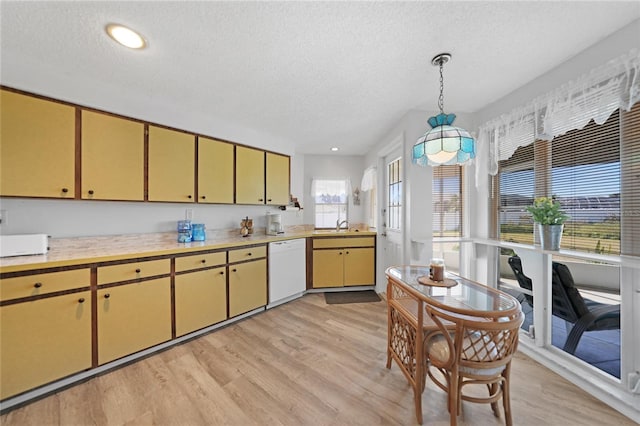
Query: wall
332	167
73	218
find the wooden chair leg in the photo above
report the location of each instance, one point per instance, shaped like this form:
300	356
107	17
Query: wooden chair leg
453	398
493	388
417	396
506	402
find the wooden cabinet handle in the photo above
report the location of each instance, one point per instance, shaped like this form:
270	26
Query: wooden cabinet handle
269	199
106	296
204	261
138	271
234	270
340	253
260	199
91	192
249	254
81	300
189	196
65	190
203	197
347	252
37	285
222	272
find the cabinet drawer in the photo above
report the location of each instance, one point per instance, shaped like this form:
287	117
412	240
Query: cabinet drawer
343	242
198	261
247	254
133	270
34	285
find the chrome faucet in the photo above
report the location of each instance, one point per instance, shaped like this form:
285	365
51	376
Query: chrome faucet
339	224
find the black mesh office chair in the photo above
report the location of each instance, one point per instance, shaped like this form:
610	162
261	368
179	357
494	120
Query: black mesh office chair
568	304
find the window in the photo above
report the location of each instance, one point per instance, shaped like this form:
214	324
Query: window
331	200
395	194
580	169
447	201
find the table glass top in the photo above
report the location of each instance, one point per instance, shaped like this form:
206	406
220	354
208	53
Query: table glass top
466	294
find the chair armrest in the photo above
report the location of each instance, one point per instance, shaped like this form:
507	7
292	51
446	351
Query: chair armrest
584	323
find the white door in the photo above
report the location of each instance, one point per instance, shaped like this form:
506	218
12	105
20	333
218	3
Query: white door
392	212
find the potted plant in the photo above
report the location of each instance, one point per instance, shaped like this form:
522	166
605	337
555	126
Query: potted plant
550	219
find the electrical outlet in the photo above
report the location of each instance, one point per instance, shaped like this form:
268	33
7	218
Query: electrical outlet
188	214
3	217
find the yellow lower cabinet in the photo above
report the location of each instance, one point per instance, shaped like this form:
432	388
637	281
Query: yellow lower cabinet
328	268
359	266
44	340
247	286
133	317
201	299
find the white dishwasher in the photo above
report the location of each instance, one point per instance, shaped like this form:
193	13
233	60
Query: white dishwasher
287	271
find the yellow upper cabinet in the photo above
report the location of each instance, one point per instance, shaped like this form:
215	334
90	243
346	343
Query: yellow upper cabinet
249	176
171	165
215	171
277	179
112	158
37	147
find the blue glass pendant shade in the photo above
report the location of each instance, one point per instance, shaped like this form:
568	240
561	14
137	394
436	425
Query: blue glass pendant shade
444	144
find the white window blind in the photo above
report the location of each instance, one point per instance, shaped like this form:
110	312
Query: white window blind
630	182
581	169
447	201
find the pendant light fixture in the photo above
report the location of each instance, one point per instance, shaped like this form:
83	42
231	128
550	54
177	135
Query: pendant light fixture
443	144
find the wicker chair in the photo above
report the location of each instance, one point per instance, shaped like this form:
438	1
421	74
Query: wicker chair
478	351
406	315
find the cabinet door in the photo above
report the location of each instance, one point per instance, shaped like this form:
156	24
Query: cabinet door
359	266
247	286
112	158
215	171
277	179
37	141
133	317
328	268
249	176
44	340
172	165
201	299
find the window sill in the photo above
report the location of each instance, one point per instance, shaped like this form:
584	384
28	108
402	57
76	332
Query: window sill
632	261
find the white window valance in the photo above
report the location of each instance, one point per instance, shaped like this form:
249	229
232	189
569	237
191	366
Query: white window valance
335	189
368	179
592	96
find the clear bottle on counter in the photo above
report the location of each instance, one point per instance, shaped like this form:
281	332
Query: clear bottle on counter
184	231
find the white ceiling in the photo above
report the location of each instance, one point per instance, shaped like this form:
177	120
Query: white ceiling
317	74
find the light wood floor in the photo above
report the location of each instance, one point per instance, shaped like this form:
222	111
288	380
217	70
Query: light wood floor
304	363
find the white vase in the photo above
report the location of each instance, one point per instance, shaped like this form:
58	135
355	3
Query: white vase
550	236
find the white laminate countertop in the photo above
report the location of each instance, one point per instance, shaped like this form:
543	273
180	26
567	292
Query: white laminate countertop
82	250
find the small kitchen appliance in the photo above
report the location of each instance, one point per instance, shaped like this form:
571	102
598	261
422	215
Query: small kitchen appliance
274	224
23	245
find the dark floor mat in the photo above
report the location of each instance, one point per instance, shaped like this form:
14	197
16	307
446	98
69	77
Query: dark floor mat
341	297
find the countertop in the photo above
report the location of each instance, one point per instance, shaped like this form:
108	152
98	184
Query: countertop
83	250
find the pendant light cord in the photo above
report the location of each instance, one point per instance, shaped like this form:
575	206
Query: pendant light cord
441	99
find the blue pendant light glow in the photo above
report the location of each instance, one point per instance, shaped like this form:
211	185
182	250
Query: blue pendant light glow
444	144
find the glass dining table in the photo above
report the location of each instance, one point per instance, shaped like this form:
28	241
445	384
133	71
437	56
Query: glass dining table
457	294
409	289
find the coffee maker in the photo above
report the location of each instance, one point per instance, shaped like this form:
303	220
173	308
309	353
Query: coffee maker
274	224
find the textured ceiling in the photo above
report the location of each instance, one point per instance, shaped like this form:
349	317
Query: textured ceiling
315	74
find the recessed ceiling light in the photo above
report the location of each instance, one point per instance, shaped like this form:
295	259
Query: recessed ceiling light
335	148
126	36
